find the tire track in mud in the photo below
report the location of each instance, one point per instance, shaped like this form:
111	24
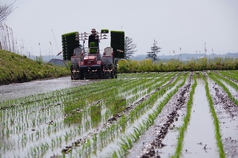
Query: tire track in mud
227	112
114	119
165	121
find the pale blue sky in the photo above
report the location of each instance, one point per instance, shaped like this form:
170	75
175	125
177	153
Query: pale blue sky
172	23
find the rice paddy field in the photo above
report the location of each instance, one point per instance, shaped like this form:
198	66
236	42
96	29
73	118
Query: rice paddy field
145	115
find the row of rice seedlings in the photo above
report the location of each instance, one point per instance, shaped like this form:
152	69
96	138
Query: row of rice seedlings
186	119
117	108
152	101
94	95
232	84
215	120
108	134
108	94
153	98
92	116
22	113
214	78
65	137
140	82
123	123
149	87
25	120
231	74
72	109
137	75
23	101
126	91
140	108
55	94
34	123
45	97
26	117
25	137
113	102
131	138
144	87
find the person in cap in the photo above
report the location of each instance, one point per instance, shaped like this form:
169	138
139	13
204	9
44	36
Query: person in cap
93	38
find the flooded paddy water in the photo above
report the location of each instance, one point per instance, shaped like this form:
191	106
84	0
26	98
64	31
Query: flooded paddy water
136	115
18	90
200	139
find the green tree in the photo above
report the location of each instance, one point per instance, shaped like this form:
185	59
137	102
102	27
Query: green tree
129	48
154	51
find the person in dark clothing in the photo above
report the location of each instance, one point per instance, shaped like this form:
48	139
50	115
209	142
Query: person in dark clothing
93	38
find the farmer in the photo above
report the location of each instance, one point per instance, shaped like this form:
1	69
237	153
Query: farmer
93	38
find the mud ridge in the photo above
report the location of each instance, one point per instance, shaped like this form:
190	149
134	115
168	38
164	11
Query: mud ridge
222	99
149	149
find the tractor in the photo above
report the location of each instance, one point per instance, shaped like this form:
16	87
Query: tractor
88	62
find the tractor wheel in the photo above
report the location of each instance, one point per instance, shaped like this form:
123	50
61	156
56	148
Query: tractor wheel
115	74
99	70
112	74
71	70
81	76
77	74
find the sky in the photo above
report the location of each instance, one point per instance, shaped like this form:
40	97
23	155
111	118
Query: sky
178	26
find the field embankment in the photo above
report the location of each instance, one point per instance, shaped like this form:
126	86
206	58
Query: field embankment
15	68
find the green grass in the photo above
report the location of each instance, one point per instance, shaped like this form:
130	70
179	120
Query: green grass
16	68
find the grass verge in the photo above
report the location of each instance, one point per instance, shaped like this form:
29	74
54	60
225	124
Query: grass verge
15	68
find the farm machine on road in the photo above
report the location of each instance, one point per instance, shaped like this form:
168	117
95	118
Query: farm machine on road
87	62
